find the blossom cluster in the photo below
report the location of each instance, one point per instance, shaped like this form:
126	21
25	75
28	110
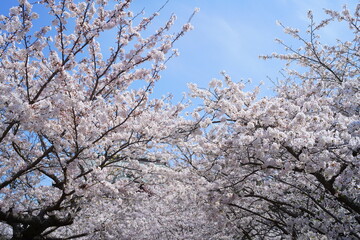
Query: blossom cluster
85	154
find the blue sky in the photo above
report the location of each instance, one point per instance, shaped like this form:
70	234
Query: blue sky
230	35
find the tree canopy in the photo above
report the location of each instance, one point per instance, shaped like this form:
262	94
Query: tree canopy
86	154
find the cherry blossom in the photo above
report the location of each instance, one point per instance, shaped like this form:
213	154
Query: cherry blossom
84	154
286	167
75	135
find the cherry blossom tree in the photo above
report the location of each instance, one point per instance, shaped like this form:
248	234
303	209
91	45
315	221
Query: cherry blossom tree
85	154
287	167
76	136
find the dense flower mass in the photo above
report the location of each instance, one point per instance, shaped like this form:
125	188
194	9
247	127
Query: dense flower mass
75	136
287	166
84	154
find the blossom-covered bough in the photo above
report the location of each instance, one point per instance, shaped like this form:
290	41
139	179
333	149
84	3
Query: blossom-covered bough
287	167
75	134
84	153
